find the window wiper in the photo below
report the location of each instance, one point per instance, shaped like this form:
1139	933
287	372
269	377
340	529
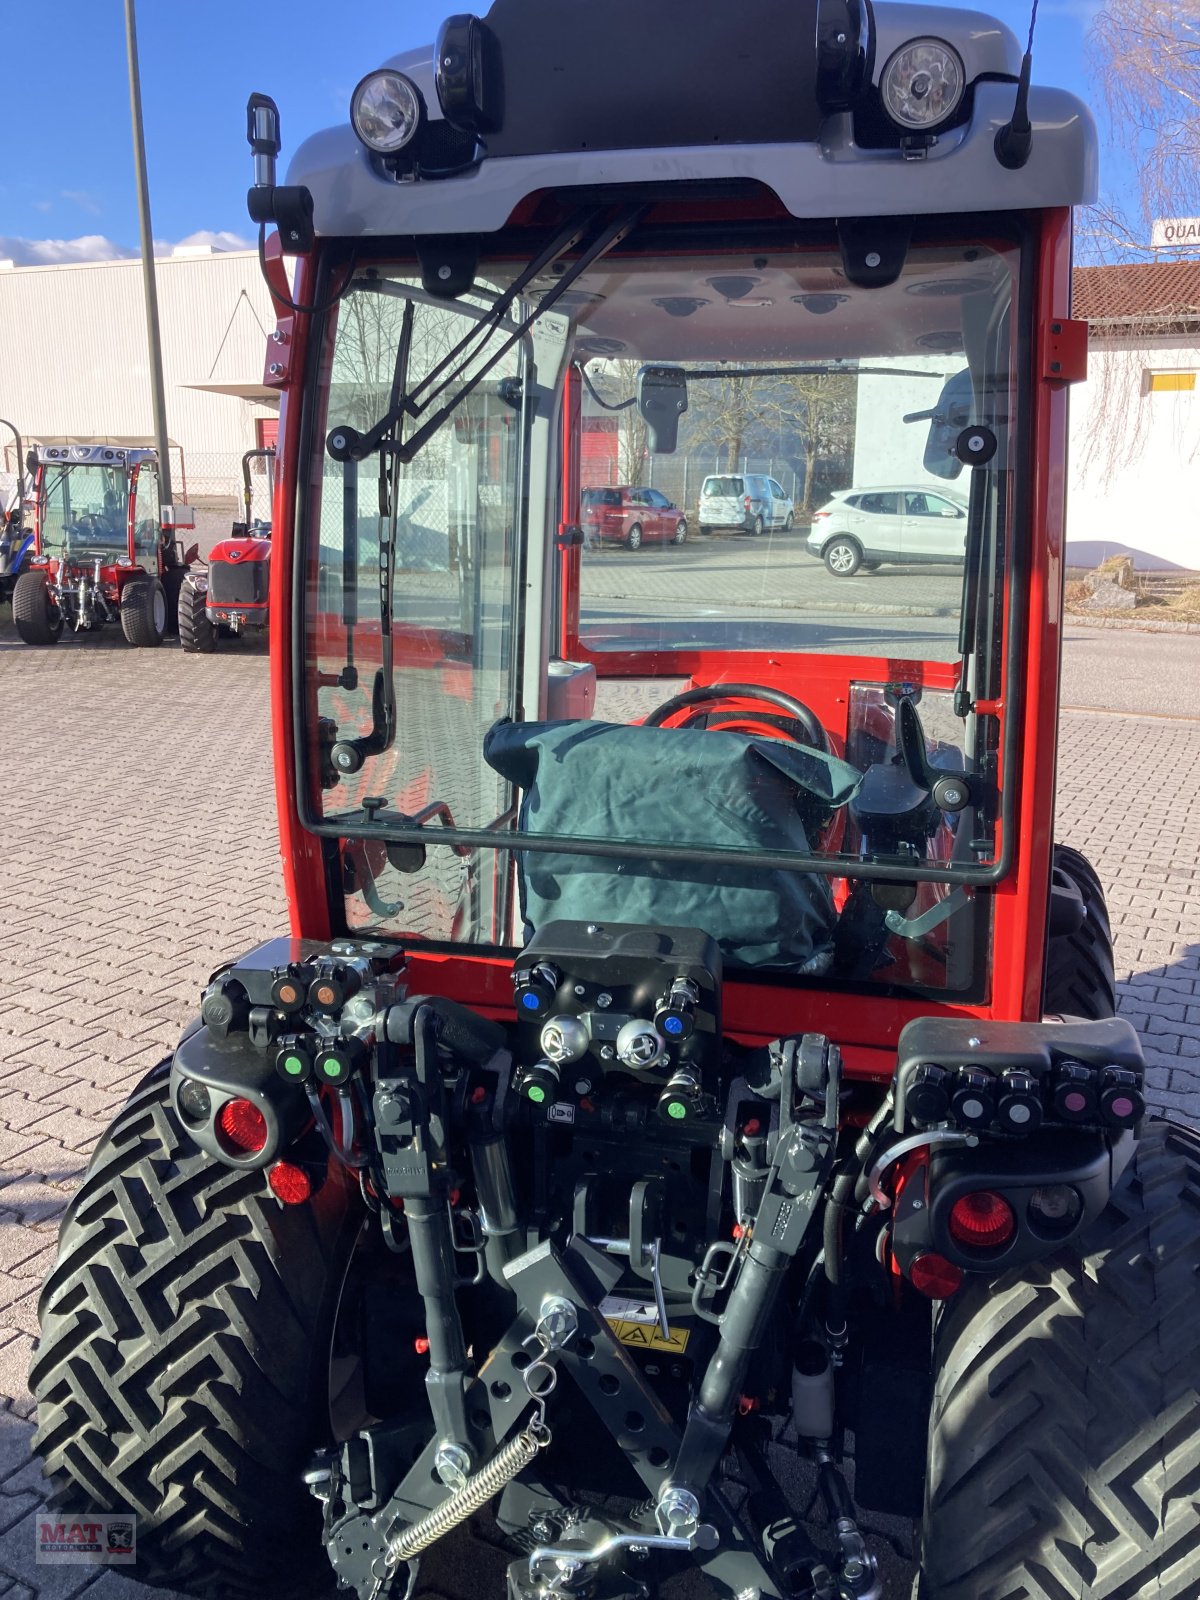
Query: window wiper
347	443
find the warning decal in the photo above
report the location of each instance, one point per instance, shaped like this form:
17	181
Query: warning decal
635	1323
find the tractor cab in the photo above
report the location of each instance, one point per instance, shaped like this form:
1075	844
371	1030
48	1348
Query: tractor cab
101	554
231	597
691	1063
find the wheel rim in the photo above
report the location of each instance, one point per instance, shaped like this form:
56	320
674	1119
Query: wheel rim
758	527
635	538
159	610
681	533
841	558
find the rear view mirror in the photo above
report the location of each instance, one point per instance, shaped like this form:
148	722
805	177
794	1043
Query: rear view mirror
661	401
947	420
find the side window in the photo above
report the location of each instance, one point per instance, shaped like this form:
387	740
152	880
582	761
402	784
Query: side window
657	498
880	504
145	517
918	505
942	508
776	490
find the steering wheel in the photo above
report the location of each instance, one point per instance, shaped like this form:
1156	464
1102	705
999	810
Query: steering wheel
813	733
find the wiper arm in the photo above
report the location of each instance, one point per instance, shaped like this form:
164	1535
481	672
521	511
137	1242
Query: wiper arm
347	442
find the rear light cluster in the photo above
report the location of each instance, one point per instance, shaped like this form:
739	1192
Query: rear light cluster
1017	1102
241	1128
982	1220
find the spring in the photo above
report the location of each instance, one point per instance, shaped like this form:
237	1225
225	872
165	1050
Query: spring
476	1492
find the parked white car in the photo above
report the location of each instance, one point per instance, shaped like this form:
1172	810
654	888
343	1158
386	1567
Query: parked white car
866	527
747	500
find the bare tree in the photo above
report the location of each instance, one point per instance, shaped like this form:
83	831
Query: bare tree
1145	55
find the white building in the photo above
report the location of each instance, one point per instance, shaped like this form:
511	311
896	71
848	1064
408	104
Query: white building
74	362
1135	423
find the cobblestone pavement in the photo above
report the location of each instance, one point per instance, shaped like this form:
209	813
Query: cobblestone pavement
144	852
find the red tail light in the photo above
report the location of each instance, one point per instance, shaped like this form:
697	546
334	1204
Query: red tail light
935	1277
817	515
242	1127
290	1183
746	502
982	1220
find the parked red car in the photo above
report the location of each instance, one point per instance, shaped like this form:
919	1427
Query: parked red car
627	516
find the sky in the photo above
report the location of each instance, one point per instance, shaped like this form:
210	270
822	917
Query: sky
66	179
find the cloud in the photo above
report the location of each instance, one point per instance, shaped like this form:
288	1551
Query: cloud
43	205
96	247
82	199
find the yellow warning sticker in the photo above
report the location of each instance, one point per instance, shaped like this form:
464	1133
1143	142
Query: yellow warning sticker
648	1336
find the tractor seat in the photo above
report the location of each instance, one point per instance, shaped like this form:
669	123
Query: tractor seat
602	780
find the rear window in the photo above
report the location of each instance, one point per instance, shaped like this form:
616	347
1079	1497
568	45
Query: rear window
885	503
602	497
722	486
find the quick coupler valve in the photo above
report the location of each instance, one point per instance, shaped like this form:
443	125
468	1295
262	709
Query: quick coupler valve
682	1099
287	990
1121	1096
294	1059
974	1099
334	984
534	989
1074	1097
927	1095
1019	1109
675	1018
540	1083
337	1063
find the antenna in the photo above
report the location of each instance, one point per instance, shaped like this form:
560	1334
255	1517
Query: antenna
1015	138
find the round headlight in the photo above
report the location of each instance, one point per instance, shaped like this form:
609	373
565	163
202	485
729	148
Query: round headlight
922	84
385	110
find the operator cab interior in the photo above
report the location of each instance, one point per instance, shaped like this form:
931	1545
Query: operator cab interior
684	735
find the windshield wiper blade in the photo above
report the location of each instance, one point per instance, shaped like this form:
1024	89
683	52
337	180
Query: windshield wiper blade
455	363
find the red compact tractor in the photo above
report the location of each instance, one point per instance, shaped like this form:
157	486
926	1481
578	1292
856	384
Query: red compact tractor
685	1128
231	597
100	552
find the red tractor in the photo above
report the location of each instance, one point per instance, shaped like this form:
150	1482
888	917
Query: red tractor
686	1120
100	553
232	596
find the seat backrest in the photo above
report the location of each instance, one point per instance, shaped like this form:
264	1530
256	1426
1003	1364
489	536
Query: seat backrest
606	781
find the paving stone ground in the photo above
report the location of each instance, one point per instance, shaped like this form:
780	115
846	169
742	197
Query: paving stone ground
140	849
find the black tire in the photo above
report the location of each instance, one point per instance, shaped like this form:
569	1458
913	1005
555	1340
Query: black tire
871	566
842	557
197	635
173	580
757	529
789	523
183	1367
1066	1427
680	532
1080	976
144	612
634	537
38	619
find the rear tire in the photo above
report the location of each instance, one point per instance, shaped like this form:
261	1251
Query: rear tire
634	537
680	532
183	1367
842	557
1080	976
757	529
173	581
38	619
790	523
144	612
1066	1427
197	635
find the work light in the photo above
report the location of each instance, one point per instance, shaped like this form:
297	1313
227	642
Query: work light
922	84
386	111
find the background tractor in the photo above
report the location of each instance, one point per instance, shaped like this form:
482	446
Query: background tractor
684	1121
16	539
100	554
231	597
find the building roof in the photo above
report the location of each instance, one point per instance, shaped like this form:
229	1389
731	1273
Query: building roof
1163	293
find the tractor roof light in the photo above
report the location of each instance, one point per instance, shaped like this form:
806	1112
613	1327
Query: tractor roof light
386	110
981	1220
922	84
